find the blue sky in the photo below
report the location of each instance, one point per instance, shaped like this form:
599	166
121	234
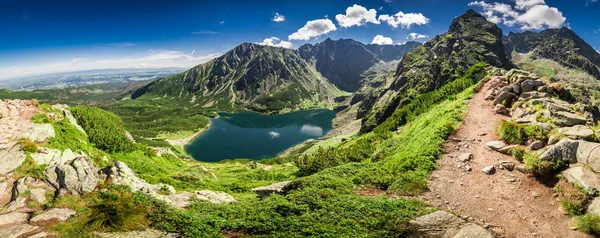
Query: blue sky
56	36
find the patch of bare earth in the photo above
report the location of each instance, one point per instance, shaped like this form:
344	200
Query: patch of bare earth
510	203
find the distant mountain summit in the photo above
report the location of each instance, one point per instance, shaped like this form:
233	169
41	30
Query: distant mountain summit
343	61
265	78
561	45
470	39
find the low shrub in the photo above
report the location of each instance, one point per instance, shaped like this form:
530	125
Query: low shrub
118	210
514	133
537	166
27	145
518	153
588	223
40	118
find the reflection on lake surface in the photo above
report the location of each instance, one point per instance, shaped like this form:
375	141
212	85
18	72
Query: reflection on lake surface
256	136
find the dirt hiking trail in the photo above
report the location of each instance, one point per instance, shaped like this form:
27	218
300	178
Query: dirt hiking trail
510	203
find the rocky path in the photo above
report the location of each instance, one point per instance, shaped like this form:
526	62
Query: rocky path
510	203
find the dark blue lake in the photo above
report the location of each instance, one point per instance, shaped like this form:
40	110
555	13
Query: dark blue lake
256	136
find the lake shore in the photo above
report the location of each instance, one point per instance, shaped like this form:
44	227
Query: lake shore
184	142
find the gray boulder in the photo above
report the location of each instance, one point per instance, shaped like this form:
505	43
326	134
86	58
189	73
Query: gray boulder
214	197
11	158
265	191
536	145
594	207
500	109
38	195
14	205
577	132
567	119
589	153
505	97
565	150
495	145
583	177
17	231
530	85
77	177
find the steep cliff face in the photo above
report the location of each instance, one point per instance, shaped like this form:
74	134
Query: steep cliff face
470	39
561	45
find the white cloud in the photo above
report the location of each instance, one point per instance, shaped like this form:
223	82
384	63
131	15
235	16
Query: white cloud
274	41
357	15
278	17
221	22
193	51
415	36
526	4
382	40
404	20
526	14
312	29
146	59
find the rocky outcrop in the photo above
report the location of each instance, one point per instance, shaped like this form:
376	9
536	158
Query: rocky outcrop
11	157
77	177
568	119
583	177
265	191
18	231
38	195
577	132
442	224
54	214
13	218
565	150
53	156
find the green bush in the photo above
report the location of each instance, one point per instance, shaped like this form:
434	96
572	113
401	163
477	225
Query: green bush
118	210
514	133
518	153
27	145
105	130
588	223
541	168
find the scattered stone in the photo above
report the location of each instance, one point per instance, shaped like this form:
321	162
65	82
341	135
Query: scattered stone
536	145
38	195
17	231
490	169
465	157
530	85
577	132
501	109
13	218
510	166
504	97
265	191
181	200
521	168
60	214
583	177
214	197
495	145
444	224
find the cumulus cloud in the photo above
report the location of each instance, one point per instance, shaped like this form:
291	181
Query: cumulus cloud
278	17
312	29
357	15
274	41
382	40
404	20
415	36
146	59
526	14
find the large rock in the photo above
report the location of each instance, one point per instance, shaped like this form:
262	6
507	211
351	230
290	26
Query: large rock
38	195
583	177
119	173
567	119
11	158
265	191
181	200
56	214
40	132
443	224
17	231
594	207
53	156
495	145
214	197
13	218
501	109
577	132
565	150
505	97
14	205
77	177
548	104
530	85
589	153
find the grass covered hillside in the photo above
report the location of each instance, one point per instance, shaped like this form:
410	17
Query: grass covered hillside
470	39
